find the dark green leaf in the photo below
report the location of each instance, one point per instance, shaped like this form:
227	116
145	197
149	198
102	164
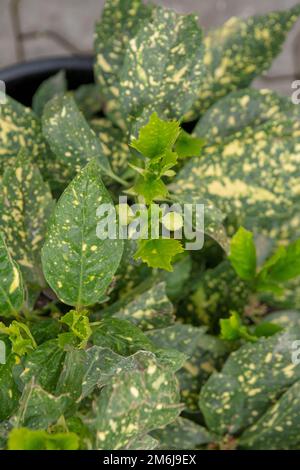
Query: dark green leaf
25	207
162	66
239	51
11	283
120	22
55	85
77	264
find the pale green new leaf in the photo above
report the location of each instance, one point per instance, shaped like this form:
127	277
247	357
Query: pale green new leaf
70	137
11	283
27	439
243	254
78	265
188	145
156	137
159	253
284	265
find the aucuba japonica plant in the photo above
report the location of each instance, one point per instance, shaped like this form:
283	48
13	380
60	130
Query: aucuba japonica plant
115	343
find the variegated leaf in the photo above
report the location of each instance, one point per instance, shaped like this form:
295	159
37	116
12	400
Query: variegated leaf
78	265
119	23
20	129
11	283
239	51
134	403
162	66
25	207
252	379
243	108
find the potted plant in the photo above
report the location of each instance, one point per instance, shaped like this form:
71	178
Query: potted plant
149	247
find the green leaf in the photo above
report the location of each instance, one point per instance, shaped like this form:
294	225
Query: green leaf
188	145
182	434
38	408
114	143
70	137
243	254
204	353
219	291
26	439
43	365
19	129
11	283
284	265
156	137
159	253
242	108
232	329
9	393
77	264
134	403
253	378
239	51
238	178
158	73
267	329
149	310
25	207
121	336
53	86
71	378
150	187
119	23
278	428
88	99
79	325
20	337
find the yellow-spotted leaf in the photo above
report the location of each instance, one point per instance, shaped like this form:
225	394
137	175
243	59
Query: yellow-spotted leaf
78	265
119	23
242	108
253	177
19	129
250	383
70	137
135	401
162	66
238	52
25	207
159	253
11	284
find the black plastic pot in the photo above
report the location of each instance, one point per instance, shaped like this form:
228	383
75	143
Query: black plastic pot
24	78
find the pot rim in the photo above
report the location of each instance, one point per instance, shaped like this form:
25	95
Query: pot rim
46	65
